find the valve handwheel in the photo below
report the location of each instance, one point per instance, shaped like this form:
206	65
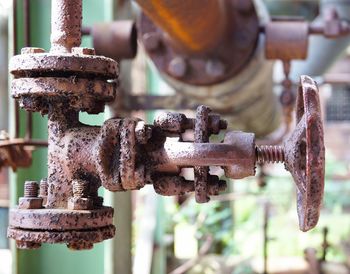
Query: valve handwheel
305	154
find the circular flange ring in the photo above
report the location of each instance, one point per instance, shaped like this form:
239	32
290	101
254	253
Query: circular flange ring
47	64
82	94
60	219
53	237
228	58
54	86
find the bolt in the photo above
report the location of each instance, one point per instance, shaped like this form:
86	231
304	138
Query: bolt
151	41
269	154
43	190
83	51
143	132
30	199
31	189
80	188
216	124
80	199
32	50
177	67
215	68
174	122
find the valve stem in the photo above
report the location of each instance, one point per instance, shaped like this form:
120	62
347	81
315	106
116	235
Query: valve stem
269	154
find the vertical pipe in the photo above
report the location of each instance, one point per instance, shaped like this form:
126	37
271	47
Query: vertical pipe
66	17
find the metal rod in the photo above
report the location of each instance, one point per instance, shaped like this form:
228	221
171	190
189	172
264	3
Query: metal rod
182	154
27	43
188	23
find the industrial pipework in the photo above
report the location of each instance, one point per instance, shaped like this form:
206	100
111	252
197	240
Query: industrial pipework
126	154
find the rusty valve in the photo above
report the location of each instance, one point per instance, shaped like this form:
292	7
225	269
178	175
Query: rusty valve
303	154
126	154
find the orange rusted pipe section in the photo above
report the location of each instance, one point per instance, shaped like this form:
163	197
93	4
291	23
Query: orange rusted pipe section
194	26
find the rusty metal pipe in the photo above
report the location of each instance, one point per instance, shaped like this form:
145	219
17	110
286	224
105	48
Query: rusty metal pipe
191	28
66	25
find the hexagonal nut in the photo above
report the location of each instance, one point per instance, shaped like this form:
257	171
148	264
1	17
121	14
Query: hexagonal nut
75	203
83	51
143	132
30	203
32	50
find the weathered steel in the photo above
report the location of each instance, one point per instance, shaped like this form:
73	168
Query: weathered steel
79	65
116	40
190	22
76	239
286	40
185	49
66	17
126	154
305	154
60	219
61	83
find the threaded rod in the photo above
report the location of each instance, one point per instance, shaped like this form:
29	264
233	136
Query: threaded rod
31	189
269	154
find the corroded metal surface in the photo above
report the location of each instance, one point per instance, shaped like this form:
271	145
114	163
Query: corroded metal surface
305	154
116	40
187	28
201	135
286	40
243	164
37	94
79	239
61	83
61	219
125	154
210	58
66	20
55	64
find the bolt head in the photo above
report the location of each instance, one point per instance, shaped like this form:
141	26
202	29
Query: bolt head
151	41
75	203
143	132
30	203
177	67
215	68
83	51
32	50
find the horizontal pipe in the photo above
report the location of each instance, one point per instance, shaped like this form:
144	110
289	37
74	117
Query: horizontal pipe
195	26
